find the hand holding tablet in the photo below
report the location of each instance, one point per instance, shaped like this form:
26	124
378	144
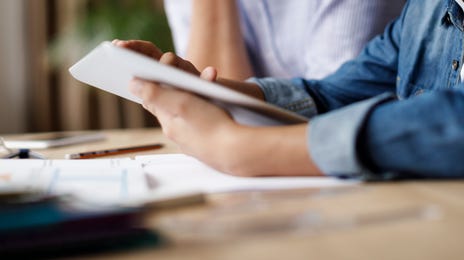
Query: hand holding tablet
111	68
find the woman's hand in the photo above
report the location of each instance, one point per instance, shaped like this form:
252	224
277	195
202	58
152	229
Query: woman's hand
149	49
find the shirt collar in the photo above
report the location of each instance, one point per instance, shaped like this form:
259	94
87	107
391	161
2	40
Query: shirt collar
454	14
461	4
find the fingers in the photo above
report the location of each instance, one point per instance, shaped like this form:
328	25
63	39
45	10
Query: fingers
209	74
171	59
147	91
156	98
150	50
164	101
184	117
143	47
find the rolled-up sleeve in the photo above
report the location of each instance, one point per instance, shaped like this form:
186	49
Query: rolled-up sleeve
332	136
333	139
285	94
381	138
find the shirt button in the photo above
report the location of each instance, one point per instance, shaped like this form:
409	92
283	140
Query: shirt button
455	65
448	19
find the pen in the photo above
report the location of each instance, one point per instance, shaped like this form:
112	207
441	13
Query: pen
109	152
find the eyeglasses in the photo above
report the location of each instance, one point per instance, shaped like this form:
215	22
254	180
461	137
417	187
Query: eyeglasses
20	154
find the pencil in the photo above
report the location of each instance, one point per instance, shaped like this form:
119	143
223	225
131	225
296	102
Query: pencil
116	151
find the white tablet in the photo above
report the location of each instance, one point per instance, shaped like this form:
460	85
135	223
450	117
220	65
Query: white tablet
111	68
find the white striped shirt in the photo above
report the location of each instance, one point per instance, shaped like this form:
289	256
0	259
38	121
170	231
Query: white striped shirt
298	38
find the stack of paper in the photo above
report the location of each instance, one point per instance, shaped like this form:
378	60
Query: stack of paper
135	182
100	182
179	172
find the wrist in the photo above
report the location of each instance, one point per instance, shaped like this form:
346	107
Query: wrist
267	151
231	148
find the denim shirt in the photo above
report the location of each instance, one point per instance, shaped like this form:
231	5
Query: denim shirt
395	111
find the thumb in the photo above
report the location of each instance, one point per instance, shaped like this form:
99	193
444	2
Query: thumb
209	74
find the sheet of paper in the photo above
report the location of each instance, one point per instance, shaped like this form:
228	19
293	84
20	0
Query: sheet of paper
110	68
93	181
147	179
178	172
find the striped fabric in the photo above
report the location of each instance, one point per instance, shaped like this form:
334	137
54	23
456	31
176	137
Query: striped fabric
304	38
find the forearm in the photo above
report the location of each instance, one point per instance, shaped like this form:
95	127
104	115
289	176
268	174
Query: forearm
216	39
269	151
419	137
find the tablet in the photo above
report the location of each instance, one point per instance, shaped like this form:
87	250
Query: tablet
111	68
49	140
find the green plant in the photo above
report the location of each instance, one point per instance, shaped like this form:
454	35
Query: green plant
105	20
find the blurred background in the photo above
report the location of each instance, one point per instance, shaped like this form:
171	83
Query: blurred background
41	39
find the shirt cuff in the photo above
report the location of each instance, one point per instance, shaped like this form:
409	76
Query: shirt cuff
283	93
333	140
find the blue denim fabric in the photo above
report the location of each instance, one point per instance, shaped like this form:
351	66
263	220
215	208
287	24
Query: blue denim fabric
419	133
283	93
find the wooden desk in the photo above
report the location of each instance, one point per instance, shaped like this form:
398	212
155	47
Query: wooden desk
114	139
405	220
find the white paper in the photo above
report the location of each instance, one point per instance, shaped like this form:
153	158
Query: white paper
178	172
111	68
109	182
102	182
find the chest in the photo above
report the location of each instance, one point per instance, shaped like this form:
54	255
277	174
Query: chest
431	57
